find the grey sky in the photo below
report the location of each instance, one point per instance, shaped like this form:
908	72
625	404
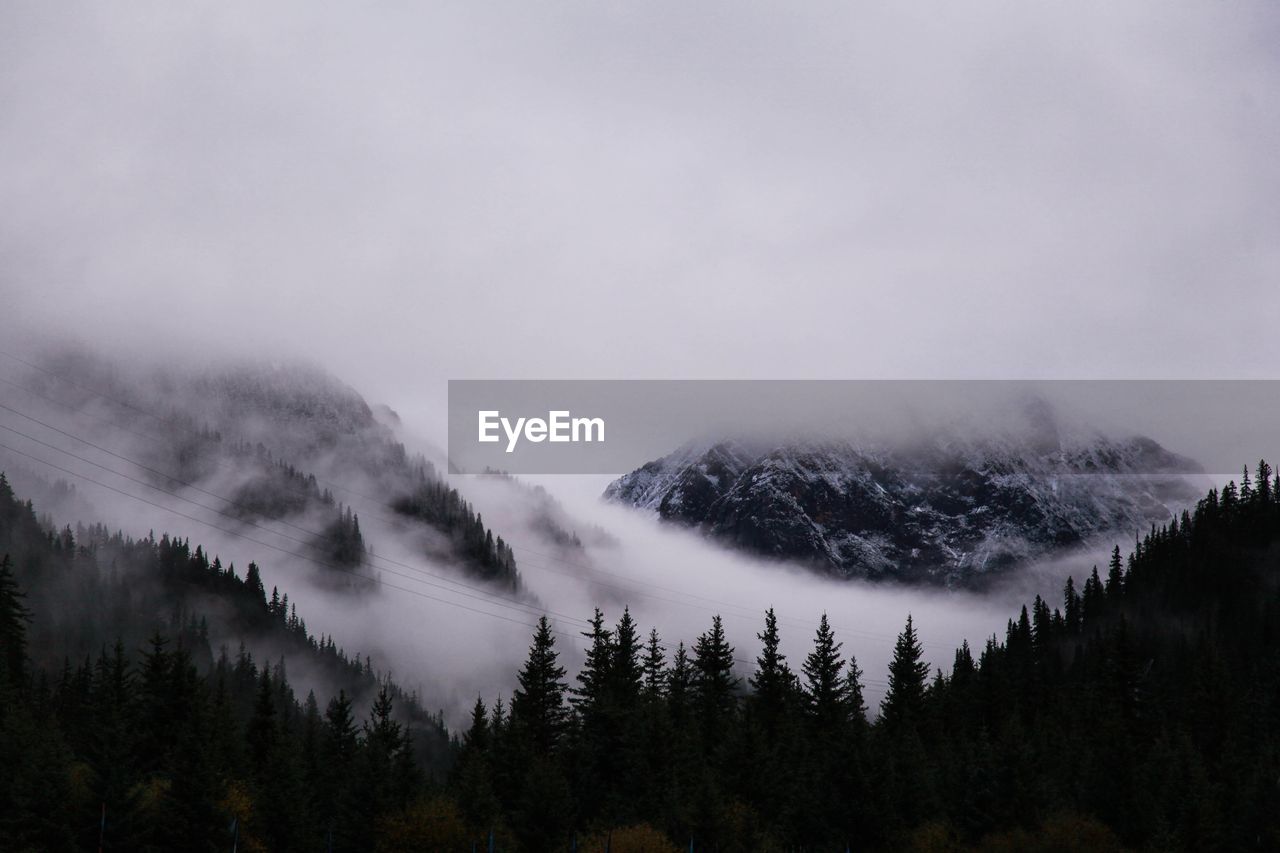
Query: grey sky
412	192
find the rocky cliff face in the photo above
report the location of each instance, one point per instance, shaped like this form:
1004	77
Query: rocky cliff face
945	510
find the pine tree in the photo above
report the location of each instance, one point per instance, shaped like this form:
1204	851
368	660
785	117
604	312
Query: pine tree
262	733
853	697
1229	497
626	674
1041	625
476	738
1264	481
1071	607
1115	575
714	682
773	680
498	718
476	795
597	668
13	627
537	707
112	750
824	688
1091	602
155	714
963	669
680	684
253	580
340	795
908	673
388	776
655	674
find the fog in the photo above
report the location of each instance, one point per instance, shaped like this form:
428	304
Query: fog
406	193
409	193
434	629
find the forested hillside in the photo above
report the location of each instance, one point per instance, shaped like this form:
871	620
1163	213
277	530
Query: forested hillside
259	443
135	715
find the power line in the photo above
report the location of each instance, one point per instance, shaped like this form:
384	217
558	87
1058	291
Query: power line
251	523
374	556
248	538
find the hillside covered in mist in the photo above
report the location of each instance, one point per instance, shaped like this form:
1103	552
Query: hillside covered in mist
148	700
284	448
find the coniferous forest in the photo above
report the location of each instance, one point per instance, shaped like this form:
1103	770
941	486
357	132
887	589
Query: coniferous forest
1139	710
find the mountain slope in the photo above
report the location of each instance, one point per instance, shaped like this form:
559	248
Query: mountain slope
270	443
147	702
949	510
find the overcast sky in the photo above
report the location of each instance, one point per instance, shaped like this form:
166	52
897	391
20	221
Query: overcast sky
410	192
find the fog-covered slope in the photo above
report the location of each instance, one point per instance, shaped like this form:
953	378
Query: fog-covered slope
256	443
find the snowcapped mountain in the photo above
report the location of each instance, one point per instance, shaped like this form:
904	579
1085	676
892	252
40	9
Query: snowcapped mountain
944	509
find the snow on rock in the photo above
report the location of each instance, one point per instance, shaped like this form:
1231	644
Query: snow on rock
948	510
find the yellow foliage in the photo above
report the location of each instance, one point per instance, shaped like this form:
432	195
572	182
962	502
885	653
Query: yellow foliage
1062	833
151	794
430	824
80	784
933	837
641	838
236	801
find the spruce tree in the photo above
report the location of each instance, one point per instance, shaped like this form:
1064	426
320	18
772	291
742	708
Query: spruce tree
626	676
537	706
908	673
596	669
253	580
714	682
853	698
824	688
1091	602
773	680
655	674
262	733
339	793
476	737
680	684
1071	607
14	618
388	776
1115	575
1263	479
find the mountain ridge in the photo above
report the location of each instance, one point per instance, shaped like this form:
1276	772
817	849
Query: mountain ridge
954	511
